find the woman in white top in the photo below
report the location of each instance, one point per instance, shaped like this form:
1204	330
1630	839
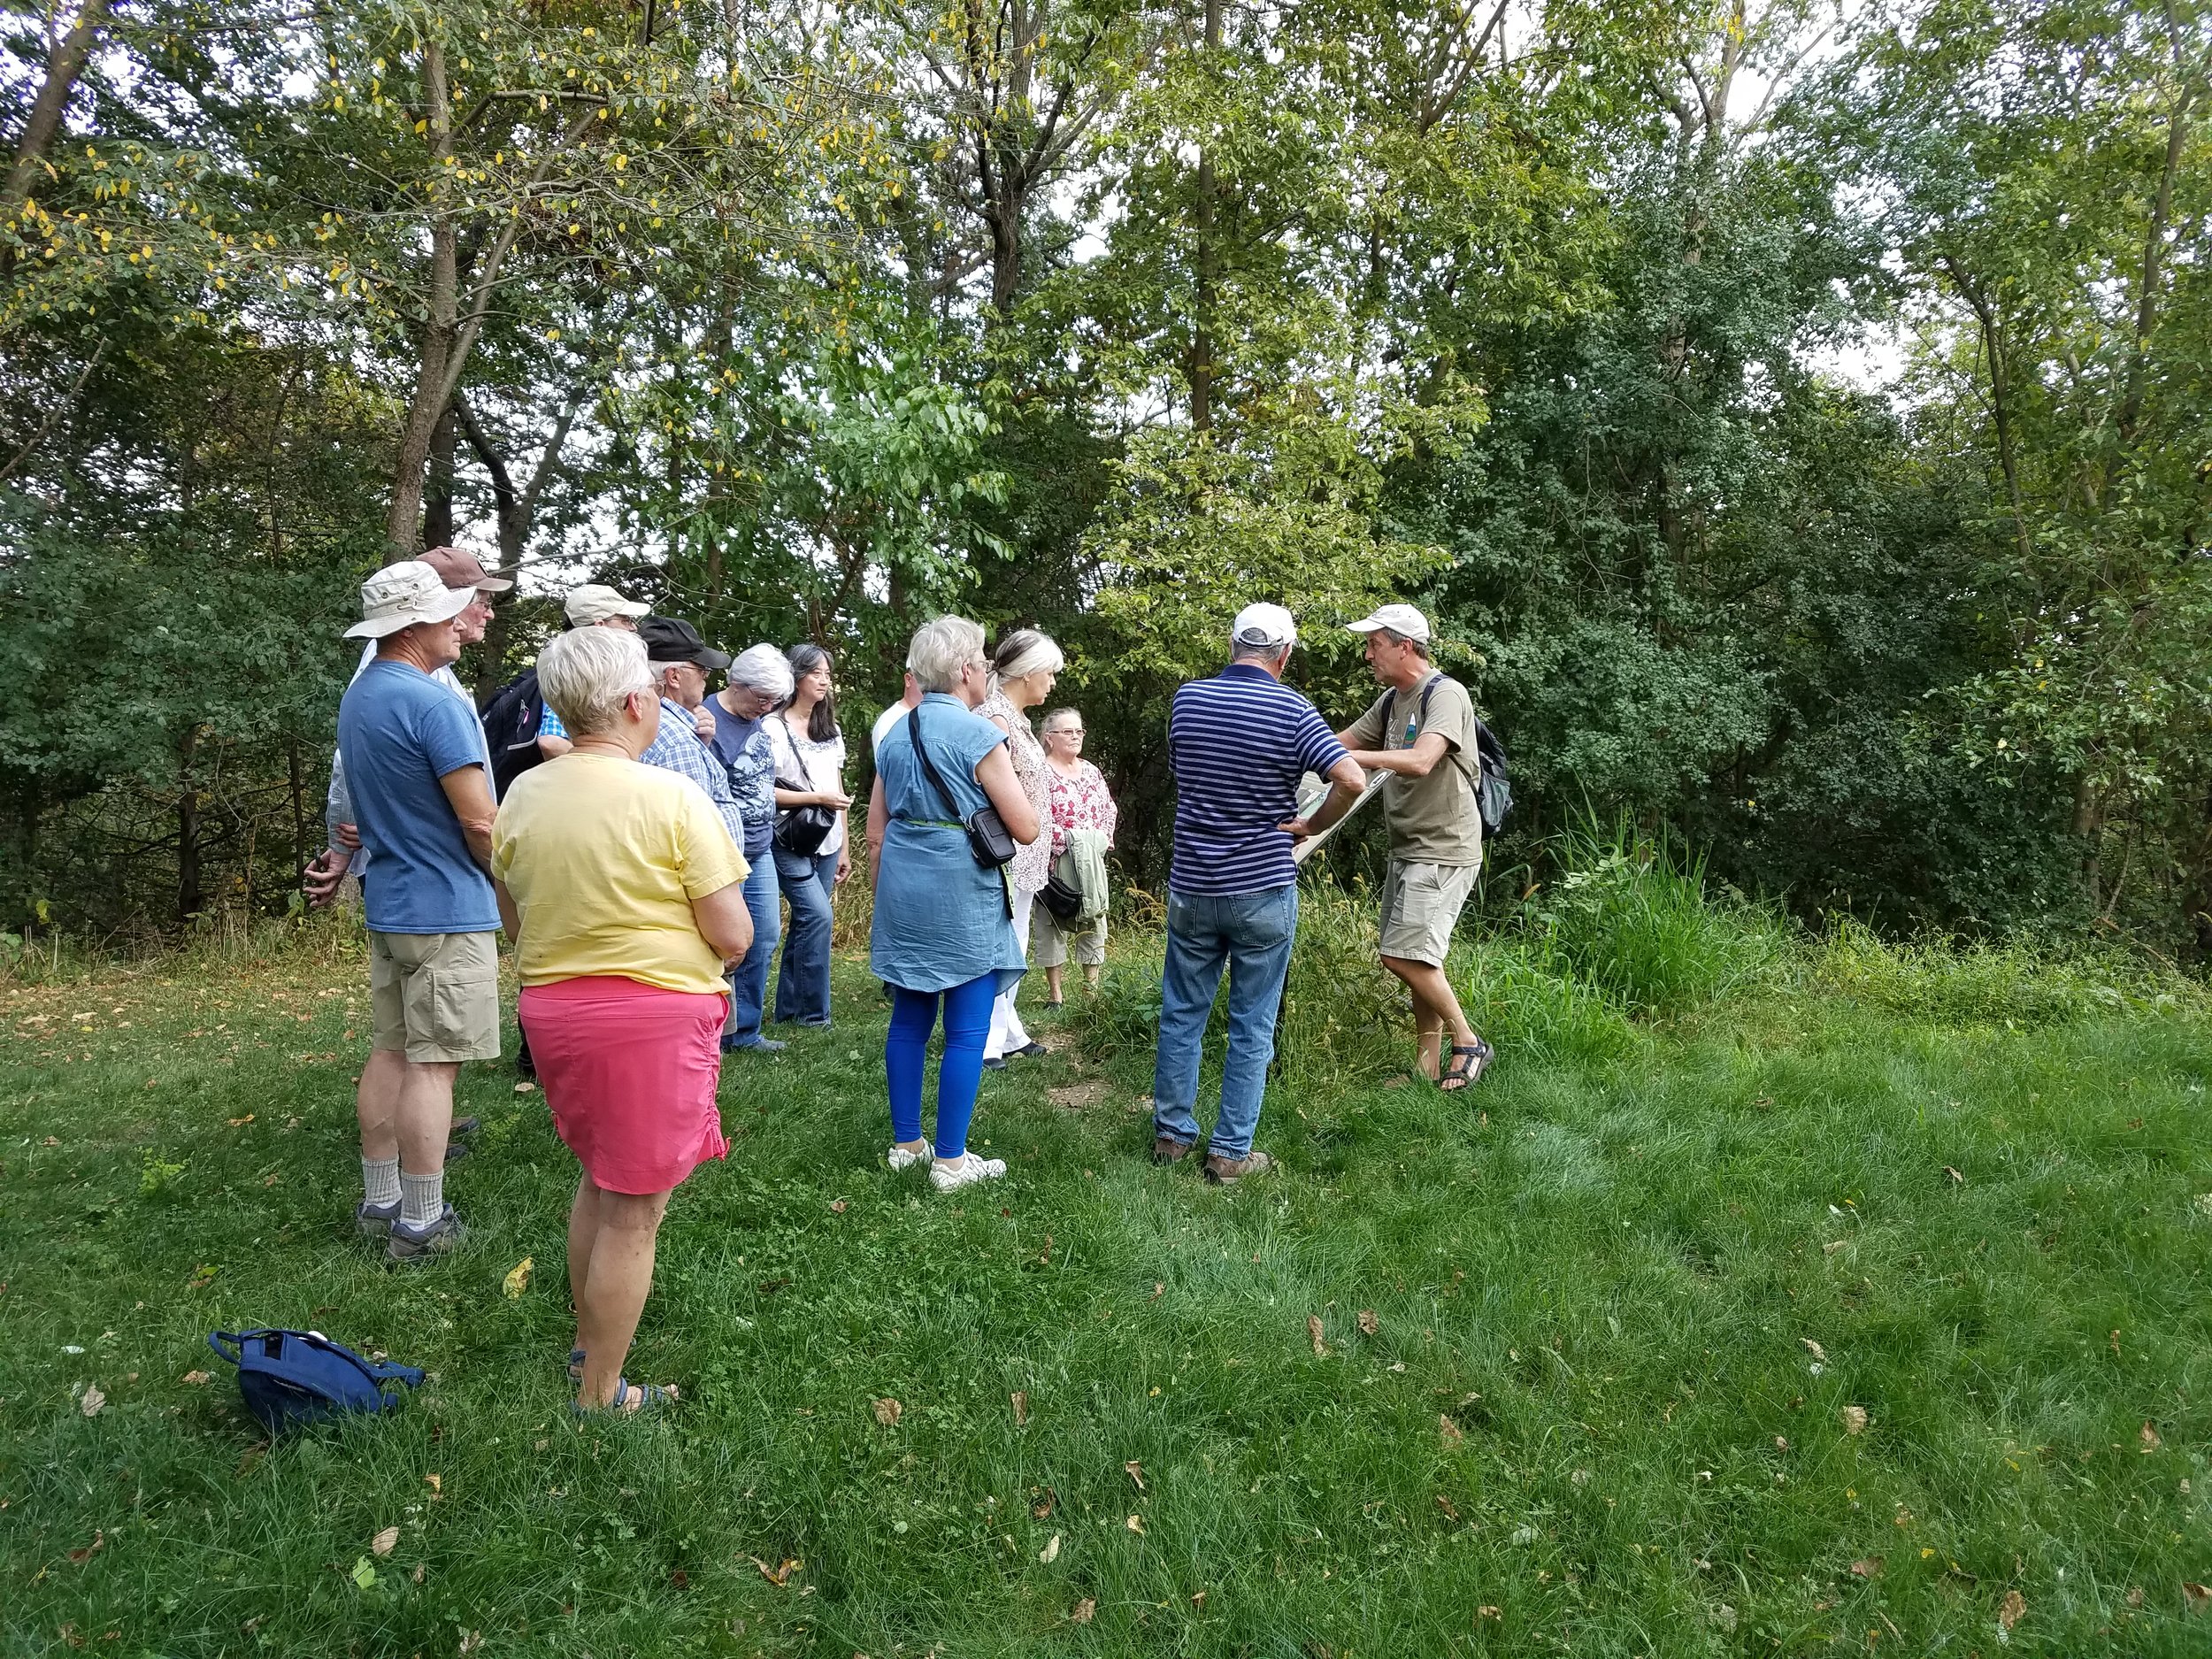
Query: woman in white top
1023	669
809	753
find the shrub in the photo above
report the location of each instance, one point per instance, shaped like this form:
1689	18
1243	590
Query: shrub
1628	915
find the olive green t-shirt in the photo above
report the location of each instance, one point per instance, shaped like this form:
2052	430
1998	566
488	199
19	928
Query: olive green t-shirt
1434	820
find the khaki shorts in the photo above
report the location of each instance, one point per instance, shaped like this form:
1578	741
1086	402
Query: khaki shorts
1051	942
436	996
1420	906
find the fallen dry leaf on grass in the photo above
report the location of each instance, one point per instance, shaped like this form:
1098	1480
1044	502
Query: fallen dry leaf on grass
1815	1349
2135	1595
1135	1523
239	1123
383	1543
888	1411
518	1279
1870	1568
1368	1324
78	1556
198	1378
418	1575
526	1087
1083	1612
1050	1553
837	1206
1313	1333
1957	1180
780	1573
1487	1611
471	1642
92	1401
1450	1433
2149	1437
1854	1419
2012	1610
1445	1504
436	1484
2195	1598
1135	1472
1159	1289
1020	1397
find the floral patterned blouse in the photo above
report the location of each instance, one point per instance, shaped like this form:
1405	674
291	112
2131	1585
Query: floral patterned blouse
1079	803
1032	864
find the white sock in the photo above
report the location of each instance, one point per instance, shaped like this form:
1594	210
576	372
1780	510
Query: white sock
422	1198
380	1181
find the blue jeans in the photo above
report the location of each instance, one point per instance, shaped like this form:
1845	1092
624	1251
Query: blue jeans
802	985
959	1068
1251	934
748	980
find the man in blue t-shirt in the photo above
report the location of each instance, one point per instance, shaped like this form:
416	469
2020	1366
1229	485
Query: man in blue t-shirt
422	799
1238	744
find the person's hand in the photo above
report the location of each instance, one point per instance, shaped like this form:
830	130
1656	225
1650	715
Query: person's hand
349	838
844	865
1298	829
702	723
835	800
321	879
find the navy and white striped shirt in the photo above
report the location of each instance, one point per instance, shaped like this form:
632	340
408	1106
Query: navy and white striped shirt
1239	743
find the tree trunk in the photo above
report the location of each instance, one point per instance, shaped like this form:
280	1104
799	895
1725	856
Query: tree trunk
1199	366
64	64
437	507
189	897
1994	346
441	328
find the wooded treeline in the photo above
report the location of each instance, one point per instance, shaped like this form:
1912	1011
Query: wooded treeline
811	319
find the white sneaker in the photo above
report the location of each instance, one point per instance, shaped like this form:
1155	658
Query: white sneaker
900	1159
950	1175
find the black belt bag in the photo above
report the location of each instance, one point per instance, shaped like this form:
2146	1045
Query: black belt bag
989	842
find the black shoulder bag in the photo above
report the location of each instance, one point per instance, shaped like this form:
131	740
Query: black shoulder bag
800	830
988	841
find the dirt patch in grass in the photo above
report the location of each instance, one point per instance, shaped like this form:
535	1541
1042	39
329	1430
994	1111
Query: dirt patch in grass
1077	1097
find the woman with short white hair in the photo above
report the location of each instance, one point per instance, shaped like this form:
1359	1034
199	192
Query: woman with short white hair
1023	669
623	892
943	929
759	684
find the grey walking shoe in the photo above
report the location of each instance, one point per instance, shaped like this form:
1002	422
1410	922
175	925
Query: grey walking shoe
1167	1150
374	1221
420	1244
1220	1171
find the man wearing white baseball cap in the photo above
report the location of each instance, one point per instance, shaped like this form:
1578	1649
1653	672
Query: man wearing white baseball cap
1421	732
1239	742
594	605
414	756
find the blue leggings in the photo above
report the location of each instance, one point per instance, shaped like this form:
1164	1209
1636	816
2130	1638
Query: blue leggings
960	1069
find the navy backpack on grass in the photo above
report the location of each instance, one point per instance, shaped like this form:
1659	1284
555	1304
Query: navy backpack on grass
290	1378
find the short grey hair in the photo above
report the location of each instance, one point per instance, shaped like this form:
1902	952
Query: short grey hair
1420	647
1062	713
1241	652
763	670
1024	652
941	649
587	674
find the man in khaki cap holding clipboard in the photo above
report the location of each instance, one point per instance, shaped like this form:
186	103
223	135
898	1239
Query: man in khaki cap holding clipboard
1421	733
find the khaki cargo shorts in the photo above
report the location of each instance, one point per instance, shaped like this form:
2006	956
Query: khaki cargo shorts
436	996
1420	906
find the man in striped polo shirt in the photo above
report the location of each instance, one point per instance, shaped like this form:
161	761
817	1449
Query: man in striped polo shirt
1239	743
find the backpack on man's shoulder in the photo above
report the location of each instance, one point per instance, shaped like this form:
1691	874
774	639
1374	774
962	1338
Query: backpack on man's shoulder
511	720
1493	790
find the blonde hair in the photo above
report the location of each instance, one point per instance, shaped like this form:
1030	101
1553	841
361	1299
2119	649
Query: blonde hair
585	675
941	649
1024	652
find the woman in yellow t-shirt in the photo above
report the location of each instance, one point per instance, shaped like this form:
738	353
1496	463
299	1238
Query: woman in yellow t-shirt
621	888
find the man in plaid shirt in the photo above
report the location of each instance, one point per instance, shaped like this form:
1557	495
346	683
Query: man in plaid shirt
681	661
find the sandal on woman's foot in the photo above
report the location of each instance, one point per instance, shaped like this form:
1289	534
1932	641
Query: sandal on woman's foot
576	1365
630	1399
1465	1066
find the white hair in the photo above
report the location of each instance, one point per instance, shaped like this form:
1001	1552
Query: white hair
941	649
1024	652
764	671
586	674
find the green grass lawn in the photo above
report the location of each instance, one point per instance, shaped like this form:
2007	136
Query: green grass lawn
1570	1364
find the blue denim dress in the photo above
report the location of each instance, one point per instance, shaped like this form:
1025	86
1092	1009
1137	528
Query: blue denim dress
940	918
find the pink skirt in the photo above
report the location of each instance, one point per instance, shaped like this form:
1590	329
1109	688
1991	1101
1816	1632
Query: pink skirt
630	1071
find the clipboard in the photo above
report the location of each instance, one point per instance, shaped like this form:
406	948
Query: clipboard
1313	790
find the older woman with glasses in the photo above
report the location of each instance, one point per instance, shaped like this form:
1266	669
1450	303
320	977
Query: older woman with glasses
943	932
1023	670
1083	815
624	893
